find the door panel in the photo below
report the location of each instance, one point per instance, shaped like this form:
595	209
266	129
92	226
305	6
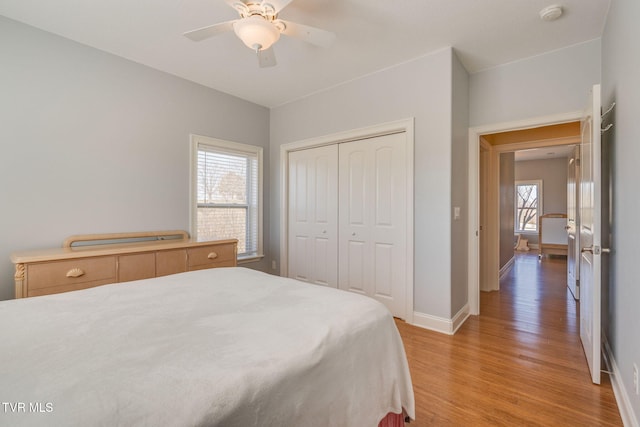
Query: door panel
322	253
590	242
384	270
313	215
356	186
573	250
299	175
356	274
324	167
384	186
372	218
299	268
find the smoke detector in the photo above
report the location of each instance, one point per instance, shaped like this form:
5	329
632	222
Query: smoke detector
551	13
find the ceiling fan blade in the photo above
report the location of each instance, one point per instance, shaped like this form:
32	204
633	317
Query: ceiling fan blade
232	3
266	58
238	5
309	34
209	31
275	5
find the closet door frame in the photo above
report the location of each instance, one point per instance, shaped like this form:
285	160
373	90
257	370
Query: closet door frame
405	126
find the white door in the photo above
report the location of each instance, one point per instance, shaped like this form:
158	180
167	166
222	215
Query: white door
373	229
313	215
591	251
573	250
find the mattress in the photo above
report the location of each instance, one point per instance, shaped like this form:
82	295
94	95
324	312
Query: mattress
217	347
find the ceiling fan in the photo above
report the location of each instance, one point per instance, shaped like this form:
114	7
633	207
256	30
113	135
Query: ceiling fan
259	28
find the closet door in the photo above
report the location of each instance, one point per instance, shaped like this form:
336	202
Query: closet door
372	218
313	215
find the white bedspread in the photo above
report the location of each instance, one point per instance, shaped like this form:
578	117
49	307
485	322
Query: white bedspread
220	347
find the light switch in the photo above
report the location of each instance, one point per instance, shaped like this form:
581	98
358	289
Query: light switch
456	212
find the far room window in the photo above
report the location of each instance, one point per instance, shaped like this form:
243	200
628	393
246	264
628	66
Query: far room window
226	193
528	206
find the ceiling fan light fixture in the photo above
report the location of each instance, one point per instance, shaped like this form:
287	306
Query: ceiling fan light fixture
256	32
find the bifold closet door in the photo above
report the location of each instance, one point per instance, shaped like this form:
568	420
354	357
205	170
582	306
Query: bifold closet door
313	215
372	219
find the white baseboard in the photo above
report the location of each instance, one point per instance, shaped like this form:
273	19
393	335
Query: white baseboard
629	418
505	268
460	317
441	324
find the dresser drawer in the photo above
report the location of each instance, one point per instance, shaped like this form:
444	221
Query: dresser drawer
70	272
212	256
171	262
136	266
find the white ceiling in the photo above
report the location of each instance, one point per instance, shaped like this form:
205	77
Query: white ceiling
544	153
371	35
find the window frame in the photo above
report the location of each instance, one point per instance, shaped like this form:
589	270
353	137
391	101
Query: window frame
539	211
231	147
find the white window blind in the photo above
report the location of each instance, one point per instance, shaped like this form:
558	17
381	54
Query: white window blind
227	192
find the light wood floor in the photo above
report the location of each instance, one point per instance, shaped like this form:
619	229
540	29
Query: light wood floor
519	363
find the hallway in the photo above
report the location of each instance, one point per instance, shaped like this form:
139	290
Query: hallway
519	363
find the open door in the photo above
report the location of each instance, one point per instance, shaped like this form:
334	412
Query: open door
590	239
573	220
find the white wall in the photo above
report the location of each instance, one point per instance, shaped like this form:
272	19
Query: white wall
91	142
420	89
556	82
620	83
459	187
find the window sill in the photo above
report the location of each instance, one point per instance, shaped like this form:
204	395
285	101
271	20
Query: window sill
530	232
249	258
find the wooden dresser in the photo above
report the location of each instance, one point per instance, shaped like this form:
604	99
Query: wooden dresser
106	259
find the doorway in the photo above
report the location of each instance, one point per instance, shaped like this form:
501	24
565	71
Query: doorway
514	137
534	200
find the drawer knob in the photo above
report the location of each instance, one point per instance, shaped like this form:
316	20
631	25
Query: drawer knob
212	255
75	272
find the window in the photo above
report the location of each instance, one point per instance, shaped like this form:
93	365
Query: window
226	193
528	206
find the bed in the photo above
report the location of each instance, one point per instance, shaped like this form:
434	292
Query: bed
552	235
218	347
